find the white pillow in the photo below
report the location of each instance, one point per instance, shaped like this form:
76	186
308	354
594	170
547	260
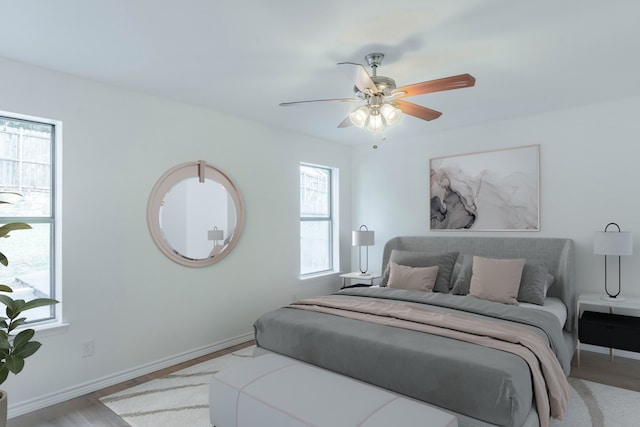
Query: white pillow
412	278
496	279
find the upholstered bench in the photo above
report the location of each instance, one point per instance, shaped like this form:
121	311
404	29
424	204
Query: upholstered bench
274	390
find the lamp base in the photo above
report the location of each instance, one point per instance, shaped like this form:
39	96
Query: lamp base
613	299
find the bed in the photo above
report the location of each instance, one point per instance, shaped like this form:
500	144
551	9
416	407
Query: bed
482	383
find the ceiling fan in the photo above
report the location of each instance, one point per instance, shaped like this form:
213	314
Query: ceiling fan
384	105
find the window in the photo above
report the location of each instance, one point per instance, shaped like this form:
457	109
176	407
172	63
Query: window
27	167
317	225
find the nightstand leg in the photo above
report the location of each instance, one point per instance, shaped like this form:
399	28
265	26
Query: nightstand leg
578	351
611	349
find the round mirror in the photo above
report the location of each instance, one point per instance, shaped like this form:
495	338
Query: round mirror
195	214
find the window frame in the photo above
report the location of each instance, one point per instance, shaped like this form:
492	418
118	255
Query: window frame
53	219
330	218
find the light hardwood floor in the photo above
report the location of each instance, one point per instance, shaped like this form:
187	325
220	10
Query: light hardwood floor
88	411
596	367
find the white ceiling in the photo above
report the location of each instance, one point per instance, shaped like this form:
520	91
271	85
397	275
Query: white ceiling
245	57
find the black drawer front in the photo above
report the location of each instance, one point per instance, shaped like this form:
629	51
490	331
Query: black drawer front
610	330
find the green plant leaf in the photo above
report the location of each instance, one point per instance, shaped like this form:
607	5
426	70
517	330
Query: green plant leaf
8	301
17	308
38	302
15	324
13	193
27	350
15	363
4	372
5	229
13	350
23	338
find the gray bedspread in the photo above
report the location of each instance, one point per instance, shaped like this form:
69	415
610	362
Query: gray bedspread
479	382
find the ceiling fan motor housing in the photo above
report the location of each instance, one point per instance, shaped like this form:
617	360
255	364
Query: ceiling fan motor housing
384	85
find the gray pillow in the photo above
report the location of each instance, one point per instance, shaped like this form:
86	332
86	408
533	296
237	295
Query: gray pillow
548	283
535	277
455	272
463	280
445	261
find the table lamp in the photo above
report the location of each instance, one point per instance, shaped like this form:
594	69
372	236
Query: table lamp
362	237
612	243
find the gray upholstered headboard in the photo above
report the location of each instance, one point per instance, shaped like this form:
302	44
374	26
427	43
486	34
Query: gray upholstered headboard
556	253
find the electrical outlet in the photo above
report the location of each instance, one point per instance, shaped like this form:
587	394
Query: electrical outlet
87	348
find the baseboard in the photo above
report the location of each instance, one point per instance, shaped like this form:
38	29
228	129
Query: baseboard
21	408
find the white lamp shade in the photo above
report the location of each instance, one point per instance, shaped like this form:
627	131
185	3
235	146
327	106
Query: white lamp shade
359	116
616	243
390	113
375	122
216	234
362	238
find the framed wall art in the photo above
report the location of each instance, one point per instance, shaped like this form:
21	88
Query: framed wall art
495	190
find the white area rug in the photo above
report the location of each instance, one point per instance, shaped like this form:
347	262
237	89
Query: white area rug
181	399
599	405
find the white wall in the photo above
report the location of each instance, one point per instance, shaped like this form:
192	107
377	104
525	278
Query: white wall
141	308
589	175
118	288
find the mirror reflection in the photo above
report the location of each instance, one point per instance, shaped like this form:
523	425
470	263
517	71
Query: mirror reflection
197	218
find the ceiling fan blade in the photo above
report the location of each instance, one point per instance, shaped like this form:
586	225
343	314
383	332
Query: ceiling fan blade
345	123
439	85
359	76
416	110
290	104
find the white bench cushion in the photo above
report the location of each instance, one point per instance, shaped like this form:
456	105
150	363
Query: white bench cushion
274	390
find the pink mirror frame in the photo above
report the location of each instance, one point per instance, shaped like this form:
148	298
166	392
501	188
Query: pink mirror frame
167	181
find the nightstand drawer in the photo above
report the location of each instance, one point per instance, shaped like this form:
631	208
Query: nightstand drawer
610	330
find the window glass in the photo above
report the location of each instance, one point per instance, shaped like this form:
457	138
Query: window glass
315	244
316	219
26	177
315	192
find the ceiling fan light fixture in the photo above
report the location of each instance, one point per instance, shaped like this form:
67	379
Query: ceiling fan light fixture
380	95
375	123
391	113
359	116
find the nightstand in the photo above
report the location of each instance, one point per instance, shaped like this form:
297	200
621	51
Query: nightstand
357	275
608	329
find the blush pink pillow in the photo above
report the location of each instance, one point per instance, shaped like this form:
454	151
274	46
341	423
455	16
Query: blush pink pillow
412	278
496	279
